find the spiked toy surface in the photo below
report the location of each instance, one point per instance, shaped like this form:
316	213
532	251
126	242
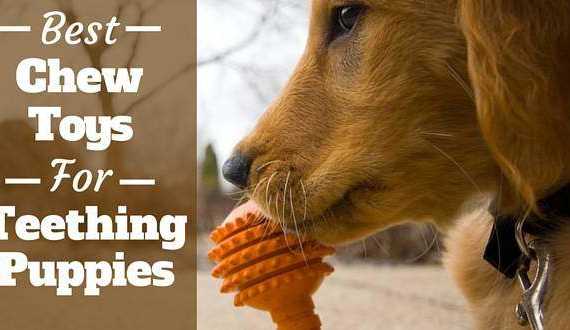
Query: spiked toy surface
269	270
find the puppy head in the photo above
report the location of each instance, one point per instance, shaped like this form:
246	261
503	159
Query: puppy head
376	126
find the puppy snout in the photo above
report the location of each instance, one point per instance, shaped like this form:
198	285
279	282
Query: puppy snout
236	169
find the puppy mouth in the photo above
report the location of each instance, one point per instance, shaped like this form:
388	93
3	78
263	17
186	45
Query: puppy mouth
336	211
307	207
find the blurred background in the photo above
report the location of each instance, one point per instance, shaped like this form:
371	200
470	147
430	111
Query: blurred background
246	51
163	148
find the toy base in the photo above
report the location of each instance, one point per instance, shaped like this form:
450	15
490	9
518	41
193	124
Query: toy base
297	315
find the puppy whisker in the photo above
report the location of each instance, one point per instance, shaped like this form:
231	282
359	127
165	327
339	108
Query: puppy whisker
285	192
259	168
437	134
267	190
305	197
464	85
257	186
278	216
461	168
296	227
380	245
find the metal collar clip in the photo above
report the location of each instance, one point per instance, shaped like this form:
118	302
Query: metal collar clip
530	311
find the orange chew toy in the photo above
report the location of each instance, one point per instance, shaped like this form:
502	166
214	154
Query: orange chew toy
270	270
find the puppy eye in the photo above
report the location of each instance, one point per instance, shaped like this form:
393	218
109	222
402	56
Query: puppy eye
347	17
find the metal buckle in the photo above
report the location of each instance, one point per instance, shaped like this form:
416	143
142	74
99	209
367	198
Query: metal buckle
530	311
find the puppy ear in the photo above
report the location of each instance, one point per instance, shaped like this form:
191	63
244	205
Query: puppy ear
519	65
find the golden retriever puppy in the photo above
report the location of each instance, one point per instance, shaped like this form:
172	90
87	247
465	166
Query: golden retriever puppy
411	110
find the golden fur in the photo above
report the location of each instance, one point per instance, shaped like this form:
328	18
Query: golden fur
422	108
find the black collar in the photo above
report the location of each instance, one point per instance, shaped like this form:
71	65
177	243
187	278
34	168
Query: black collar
502	250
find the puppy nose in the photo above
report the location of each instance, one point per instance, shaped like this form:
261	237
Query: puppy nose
236	169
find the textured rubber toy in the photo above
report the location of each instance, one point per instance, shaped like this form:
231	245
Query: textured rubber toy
269	270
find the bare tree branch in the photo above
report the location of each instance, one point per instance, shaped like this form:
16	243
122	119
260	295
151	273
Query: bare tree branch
96	51
246	42
250	75
141	17
180	73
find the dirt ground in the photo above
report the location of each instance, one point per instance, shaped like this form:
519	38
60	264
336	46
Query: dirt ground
357	297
